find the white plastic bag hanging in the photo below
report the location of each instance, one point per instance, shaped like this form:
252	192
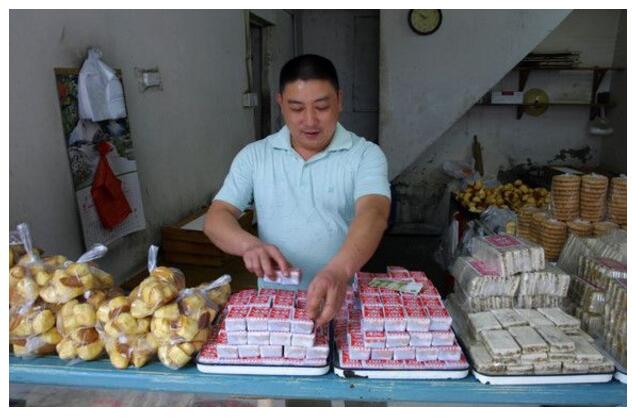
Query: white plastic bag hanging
99	91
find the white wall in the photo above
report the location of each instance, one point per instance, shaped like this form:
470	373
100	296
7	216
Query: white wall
428	82
184	136
553	137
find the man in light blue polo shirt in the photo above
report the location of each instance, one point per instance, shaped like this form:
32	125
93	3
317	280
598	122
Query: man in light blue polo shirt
321	193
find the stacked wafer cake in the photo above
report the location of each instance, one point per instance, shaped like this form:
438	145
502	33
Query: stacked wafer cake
267	327
386	329
505	271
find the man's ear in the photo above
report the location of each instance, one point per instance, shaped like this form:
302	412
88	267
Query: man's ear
279	99
340	100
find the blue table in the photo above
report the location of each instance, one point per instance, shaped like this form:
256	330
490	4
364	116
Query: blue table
156	377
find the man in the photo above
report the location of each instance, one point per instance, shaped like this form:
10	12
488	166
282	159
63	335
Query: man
321	193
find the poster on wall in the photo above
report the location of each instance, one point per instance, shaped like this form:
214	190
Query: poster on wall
86	143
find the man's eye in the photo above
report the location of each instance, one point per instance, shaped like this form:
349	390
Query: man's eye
322	108
296	108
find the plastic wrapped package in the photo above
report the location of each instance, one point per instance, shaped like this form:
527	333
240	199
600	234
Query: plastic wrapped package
477	304
500	344
32	330
588	296
181	328
615	320
76	278
76	322
593	196
509	254
565	196
599	270
478	322
479	278
551	281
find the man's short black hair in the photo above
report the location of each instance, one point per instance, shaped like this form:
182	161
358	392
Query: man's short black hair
308	67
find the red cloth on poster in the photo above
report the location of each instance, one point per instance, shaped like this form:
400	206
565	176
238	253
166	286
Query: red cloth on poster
107	193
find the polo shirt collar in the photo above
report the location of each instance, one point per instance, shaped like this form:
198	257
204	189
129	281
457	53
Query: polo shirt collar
341	139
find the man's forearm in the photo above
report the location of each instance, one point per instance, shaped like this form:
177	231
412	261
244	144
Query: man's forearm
363	237
223	229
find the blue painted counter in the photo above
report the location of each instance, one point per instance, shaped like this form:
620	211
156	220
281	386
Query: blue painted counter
156	377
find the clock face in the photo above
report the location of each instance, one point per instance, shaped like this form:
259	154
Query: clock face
424	21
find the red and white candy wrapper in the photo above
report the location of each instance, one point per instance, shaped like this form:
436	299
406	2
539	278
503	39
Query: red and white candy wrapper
262	301
399	275
282	301
293	278
300	322
440	319
237	338
375	339
285	293
304	340
371	300
372	318
391	300
346	361
248	351
301	303
429	292
317	352
411	302
426	353
420	339
443	338
271	351
394	268
394	319
449	353
388	291
381	354
279	319
417	320
257	319
357	350
270	292
236	318
227	351
301	295
397	339
404	353
239	302
432	303
258	338
280	338
294	352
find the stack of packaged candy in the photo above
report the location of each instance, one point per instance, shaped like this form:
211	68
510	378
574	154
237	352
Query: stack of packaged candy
381	328
505	272
586	301
541	341
267	327
616	320
612	246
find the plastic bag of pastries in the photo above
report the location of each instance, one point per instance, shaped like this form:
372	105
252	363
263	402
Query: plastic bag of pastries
29	271
76	321
135	350
73	279
182	327
32	330
160	288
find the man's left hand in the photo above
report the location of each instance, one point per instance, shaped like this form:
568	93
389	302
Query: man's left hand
327	289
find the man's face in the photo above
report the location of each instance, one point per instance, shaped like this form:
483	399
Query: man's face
311	109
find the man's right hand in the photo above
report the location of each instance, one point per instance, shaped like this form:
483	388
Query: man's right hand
261	259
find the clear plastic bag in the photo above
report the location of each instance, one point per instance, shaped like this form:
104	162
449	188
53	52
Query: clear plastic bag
509	254
181	328
160	288
99	91
479	278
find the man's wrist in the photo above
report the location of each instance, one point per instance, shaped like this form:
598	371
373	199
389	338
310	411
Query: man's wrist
250	243
339	272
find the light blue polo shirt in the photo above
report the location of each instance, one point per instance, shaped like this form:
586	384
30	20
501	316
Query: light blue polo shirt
305	207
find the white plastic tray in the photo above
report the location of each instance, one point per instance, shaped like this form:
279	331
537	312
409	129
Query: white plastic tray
541	379
262	370
621	377
400	373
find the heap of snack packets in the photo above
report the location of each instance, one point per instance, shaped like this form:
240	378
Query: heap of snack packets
267	327
384	329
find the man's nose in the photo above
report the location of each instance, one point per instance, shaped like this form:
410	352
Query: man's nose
311	117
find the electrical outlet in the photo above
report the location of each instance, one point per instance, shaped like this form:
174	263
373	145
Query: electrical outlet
148	78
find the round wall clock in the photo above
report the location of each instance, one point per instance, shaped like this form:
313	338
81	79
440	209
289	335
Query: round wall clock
424	21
